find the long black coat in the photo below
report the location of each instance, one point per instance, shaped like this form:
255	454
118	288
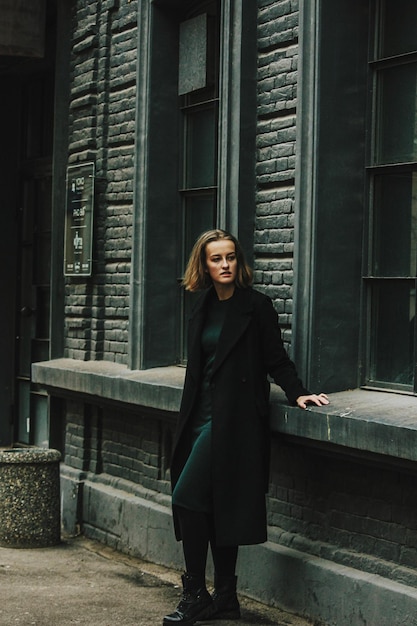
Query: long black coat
250	347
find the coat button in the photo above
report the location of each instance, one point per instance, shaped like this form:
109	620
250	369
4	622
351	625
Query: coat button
243	379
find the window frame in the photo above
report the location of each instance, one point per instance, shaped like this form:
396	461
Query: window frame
155	304
377	168
329	193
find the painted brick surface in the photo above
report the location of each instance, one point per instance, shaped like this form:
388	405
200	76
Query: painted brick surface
102	125
355	514
275	165
134	448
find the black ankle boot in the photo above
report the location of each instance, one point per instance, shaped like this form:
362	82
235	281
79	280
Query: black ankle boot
196	602
225	602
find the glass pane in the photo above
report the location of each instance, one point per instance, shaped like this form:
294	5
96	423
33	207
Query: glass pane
43	310
397	114
26	273
201	149
40	350
393	320
395	225
28	211
43	260
25	342
44	205
192	70
398	27
24	411
199	216
40	422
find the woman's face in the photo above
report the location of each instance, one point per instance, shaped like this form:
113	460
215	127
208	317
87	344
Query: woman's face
221	263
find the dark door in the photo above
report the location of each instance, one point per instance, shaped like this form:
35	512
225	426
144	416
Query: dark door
34	260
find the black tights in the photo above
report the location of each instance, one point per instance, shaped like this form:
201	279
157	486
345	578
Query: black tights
197	532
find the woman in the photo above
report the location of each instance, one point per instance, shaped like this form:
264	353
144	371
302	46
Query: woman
220	463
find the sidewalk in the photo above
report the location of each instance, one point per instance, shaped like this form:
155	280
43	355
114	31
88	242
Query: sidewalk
83	582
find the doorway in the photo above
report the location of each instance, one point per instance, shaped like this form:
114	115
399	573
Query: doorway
34	259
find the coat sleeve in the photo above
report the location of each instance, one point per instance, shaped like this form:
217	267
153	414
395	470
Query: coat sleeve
277	362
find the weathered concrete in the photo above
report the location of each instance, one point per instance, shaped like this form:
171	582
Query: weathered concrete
83	582
29	497
159	388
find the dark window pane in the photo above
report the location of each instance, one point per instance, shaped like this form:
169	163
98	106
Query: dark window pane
201	146
43	190
395	225
40	422
40	350
398	27
24	411
396	123
43	312
192	72
393	321
199	216
42	262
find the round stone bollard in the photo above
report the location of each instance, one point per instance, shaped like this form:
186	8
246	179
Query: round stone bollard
29	498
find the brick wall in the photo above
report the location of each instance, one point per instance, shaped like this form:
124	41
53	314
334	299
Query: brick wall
352	511
275	169
120	445
102	125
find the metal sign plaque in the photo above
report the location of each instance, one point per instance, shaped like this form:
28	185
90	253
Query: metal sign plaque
79	220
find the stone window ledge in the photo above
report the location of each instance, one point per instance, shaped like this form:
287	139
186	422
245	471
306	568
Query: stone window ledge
158	388
360	420
374	422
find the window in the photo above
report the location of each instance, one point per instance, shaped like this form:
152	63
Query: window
199	107
391	268
195	155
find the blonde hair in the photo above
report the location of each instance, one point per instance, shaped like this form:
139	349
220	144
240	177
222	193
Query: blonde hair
196	276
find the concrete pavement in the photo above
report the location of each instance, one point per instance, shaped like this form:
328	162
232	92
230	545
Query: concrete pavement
83	582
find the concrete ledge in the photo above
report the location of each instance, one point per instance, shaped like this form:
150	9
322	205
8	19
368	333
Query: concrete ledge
130	524
377	422
372	421
321	590
157	388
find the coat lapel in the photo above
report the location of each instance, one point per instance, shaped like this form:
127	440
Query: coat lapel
235	324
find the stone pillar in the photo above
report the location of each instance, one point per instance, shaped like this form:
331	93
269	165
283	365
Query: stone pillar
29	497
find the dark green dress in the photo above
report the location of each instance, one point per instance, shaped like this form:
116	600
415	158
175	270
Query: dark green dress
194	487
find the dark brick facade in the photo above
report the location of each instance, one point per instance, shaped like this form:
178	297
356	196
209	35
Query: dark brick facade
275	169
102	125
134	446
342	506
348	510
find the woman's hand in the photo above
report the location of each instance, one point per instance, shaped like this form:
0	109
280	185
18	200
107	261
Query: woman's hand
319	399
